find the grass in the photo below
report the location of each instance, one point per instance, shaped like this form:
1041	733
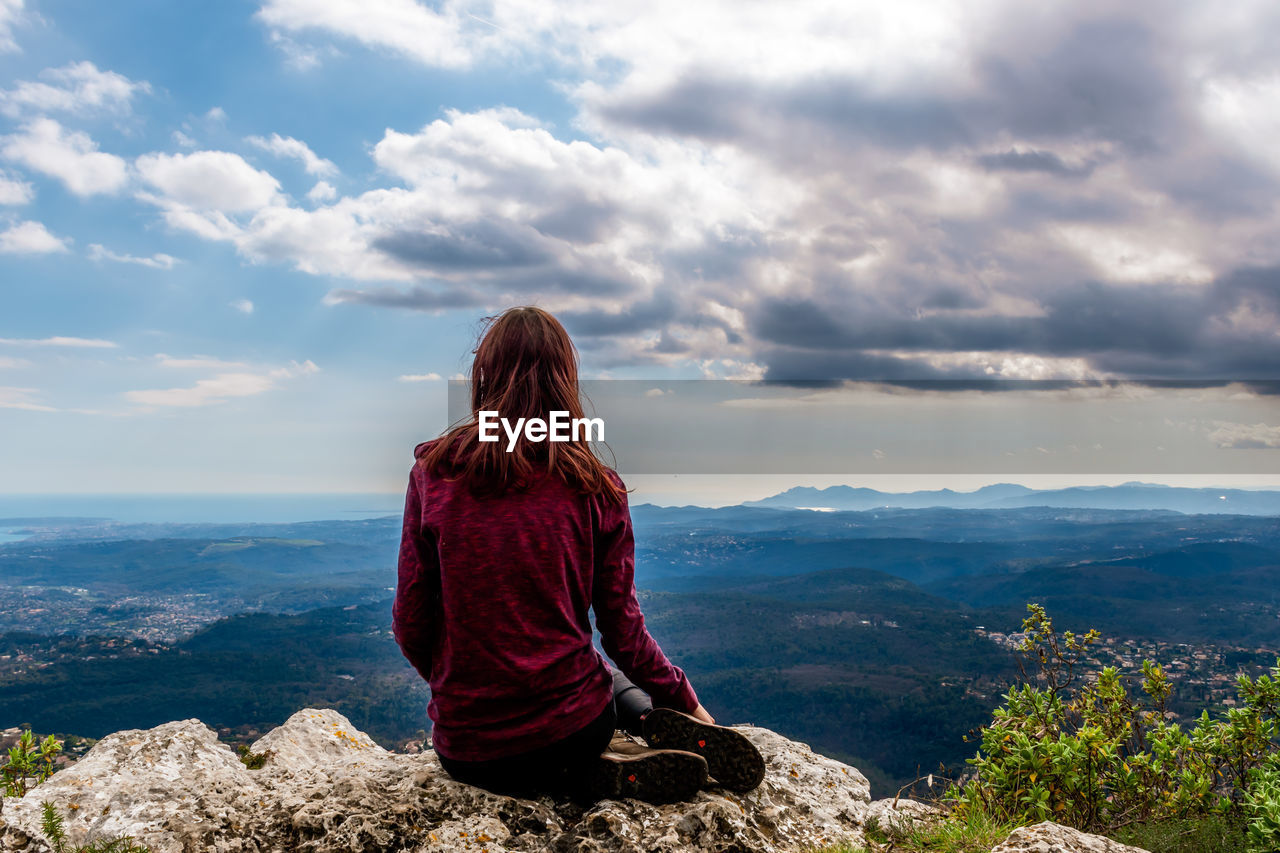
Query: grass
252	760
1208	835
978	833
974	832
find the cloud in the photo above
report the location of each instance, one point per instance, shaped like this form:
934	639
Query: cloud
61	341
208	181
1032	160
420	377
8	363
208	193
416	298
298	56
322	191
448	39
198	361
287	146
159	261
10	14
1245	436
79	88
481	244
30	238
244	306
21	398
921	191
496	209
14	191
221	387
70	156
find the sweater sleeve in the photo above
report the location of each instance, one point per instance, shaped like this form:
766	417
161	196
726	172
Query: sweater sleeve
415	612
622	631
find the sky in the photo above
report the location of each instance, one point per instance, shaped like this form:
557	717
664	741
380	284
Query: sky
244	245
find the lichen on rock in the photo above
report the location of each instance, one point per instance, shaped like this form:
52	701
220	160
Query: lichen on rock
326	786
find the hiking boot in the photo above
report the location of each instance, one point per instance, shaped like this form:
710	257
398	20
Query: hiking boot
732	760
630	769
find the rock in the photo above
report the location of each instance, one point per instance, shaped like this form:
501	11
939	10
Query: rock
326	786
1049	837
896	818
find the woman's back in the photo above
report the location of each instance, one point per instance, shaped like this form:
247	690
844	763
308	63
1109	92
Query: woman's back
492	608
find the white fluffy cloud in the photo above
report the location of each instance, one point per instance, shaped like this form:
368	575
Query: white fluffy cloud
420	377
14	191
296	149
323	191
78	88
30	238
72	157
220	387
451	38
244	306
205	192
208	180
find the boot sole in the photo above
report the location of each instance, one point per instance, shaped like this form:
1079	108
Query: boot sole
659	777
732	760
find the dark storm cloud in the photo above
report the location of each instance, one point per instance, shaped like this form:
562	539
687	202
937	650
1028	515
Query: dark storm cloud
581	222
721	109
1014	160
1091	121
483	244
638	318
1151	331
417	298
1106	79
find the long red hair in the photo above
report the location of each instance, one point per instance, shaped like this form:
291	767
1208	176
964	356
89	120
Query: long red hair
525	366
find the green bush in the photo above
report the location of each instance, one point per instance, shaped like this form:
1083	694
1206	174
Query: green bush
1262	802
27	763
1091	754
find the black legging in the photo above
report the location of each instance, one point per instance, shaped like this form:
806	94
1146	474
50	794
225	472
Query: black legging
561	767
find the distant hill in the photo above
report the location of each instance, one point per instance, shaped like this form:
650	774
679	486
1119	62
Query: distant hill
1133	495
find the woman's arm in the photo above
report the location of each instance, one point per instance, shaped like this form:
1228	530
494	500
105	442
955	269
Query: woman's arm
622	631
416	608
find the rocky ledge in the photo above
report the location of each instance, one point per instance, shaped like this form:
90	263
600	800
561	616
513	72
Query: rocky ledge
325	786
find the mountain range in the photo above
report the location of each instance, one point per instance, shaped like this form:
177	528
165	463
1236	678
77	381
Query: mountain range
1132	495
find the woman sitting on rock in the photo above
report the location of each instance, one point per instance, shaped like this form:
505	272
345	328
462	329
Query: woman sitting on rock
502	555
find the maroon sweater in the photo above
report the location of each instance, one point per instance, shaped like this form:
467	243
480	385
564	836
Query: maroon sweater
491	609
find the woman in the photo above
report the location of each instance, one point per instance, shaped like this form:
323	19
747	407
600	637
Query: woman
501	557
